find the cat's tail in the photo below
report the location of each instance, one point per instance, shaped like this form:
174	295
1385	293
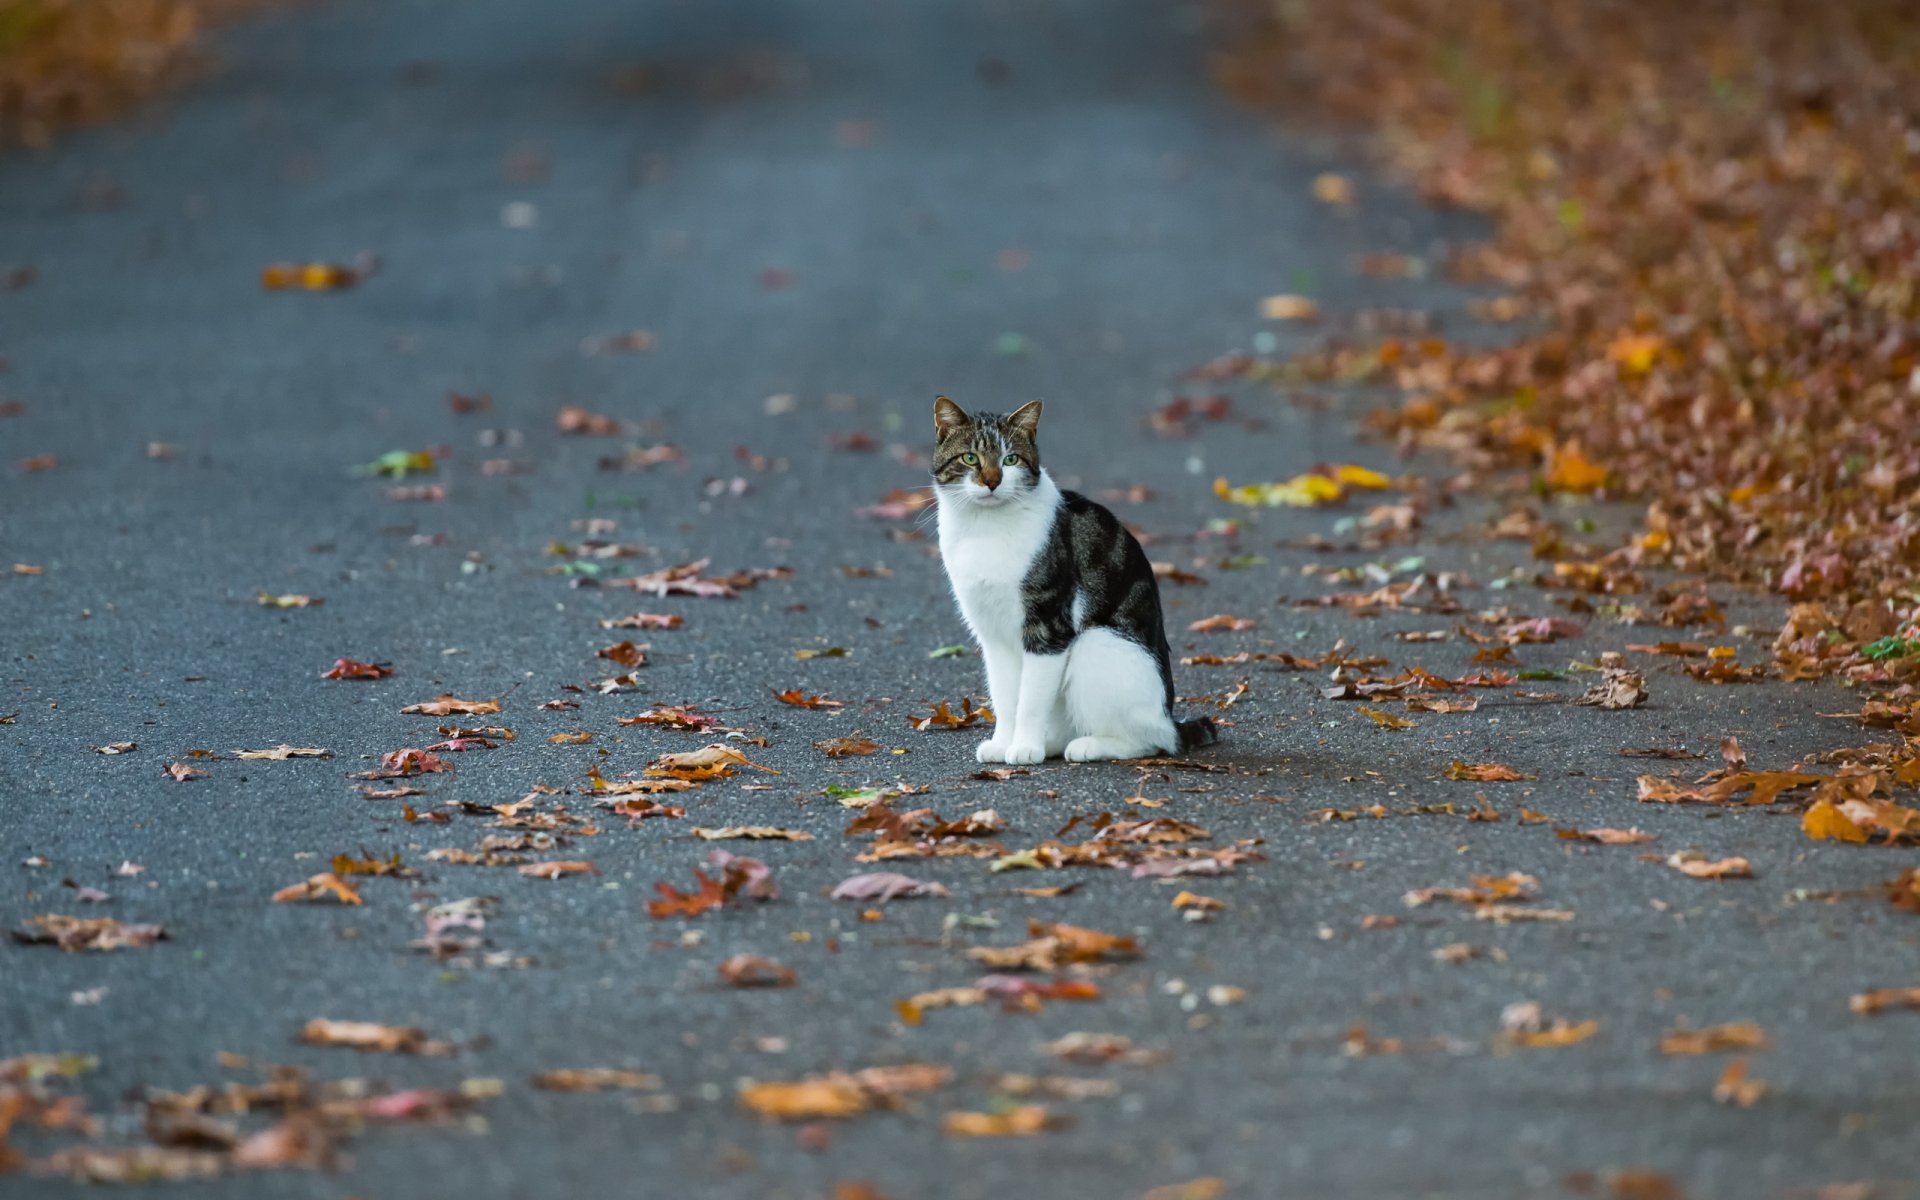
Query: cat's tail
1196	732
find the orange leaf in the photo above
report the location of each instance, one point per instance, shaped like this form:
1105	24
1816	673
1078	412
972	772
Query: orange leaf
1825	822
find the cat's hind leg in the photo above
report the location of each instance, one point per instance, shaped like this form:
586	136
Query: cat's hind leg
1116	700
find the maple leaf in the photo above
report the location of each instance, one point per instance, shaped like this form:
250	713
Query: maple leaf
799	699
1824	821
318	887
1484	772
409	761
842	747
447	706
347	668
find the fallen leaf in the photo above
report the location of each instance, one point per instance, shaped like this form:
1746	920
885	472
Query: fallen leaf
751	832
1607	837
624	653
1021	1120
884	885
1824	821
75	934
593	1079
1689	862
347	668
366	1036
290	600
645	620
1880	999
1385	719
1741	1035
1223	623
843	747
1734	1087
799	699
283	752
1617	689
1485	772
944	717
571	737
114	748
447	706
319	887
557	870
754	971
181	772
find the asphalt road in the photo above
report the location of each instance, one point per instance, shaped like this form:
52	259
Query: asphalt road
856	206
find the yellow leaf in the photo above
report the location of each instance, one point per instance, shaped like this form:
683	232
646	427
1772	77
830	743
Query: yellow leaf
1568	470
1823	822
1635	352
1302	491
1360	477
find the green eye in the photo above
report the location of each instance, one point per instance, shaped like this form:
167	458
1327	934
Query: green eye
1011	460
971	459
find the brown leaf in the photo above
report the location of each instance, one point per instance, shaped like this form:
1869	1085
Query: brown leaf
75	934
367	1036
751	832
1384	719
1223	623
1741	1035
557	870
347	668
319	887
1617	689
1689	862
1607	837
1734	1087
447	706
1880	999
753	971
799	699
1485	772
624	653
843	747
944	717
181	772
1021	1120
1824	821
593	1079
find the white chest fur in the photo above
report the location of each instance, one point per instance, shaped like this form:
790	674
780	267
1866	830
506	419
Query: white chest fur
987	553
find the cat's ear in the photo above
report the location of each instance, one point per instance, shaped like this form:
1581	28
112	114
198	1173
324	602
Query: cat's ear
948	417
1026	419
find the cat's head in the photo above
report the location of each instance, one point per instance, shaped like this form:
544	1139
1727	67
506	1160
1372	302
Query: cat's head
986	459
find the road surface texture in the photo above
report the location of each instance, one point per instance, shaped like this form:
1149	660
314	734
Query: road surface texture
856	206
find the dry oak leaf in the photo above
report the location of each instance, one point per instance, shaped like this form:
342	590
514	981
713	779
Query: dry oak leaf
75	934
755	971
799	699
1485	772
447	706
1021	1120
1739	1035
842	747
841	1094
557	870
371	1037
885	885
1051	944
1879	999
283	752
764	833
319	887
592	1079
1699	866
572	737
1385	719
181	772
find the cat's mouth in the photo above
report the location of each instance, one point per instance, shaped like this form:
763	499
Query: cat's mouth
988	499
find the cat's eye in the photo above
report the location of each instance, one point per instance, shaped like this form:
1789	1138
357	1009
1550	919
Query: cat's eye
970	458
1011	460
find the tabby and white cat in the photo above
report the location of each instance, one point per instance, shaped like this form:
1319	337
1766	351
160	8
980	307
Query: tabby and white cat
1060	597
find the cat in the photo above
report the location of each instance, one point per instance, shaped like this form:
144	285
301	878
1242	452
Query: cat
1060	598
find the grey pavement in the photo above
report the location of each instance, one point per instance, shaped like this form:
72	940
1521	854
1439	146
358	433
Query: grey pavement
534	175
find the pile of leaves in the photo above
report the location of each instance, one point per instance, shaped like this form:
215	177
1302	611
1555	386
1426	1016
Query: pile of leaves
1709	217
67	62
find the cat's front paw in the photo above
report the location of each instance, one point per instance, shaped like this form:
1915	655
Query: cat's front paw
990	751
1026	753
